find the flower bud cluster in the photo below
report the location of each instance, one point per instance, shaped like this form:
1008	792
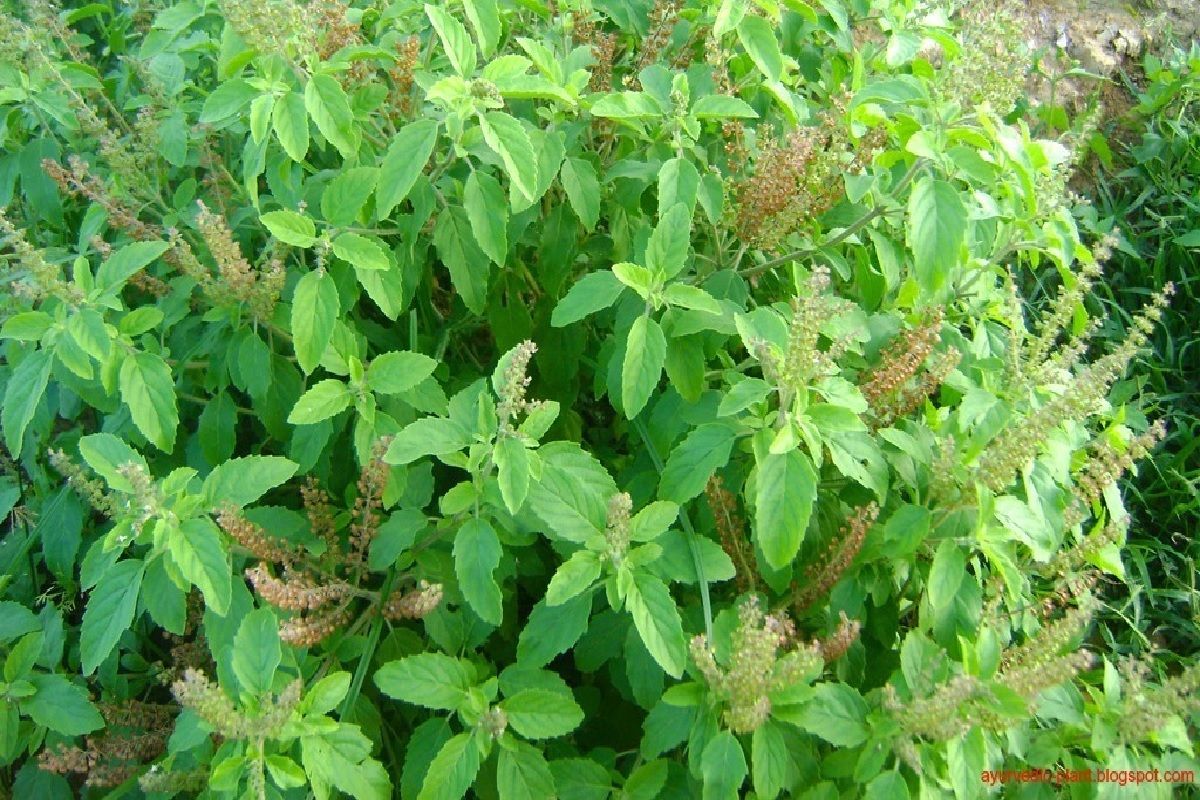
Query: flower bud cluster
254	538
756	667
173	782
415	604
36	278
587	31
372	481
196	692
238	281
281	27
136	732
90	489
297	592
1146	708
1107	464
664	16
1041	663
77	180
890	389
950	711
616	531
514	383
836	644
495	722
144	501
824	574
408	53
320	514
731	530
313	629
992	64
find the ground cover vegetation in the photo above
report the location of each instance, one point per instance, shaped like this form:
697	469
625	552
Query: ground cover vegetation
564	400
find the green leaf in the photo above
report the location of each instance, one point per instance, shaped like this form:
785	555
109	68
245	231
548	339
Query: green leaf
693	297
105	453
694	460
946	574
645	354
593	292
667	250
256	651
786	488
398	371
330	110
426	741
326	693
770	760
483	200
1189	239
578	179
28	326
340	757
315	308
286	774
657	621
722	106
836	713
542	714
469	266
109	612
507	137
937	222
762	45
26	387
429	680
195	547
290	121
241	481
61	706
891	786
455	41
346	194
552	630
322	401
149	390
406	158
573	576
452	770
291	228
523	774
512	467
729	14
227	100
571	496
723	766
627	105
653	521
477	553
124	263
361	252
431	436
678	182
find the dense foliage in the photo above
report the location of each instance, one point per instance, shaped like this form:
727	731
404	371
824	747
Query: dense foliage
571	400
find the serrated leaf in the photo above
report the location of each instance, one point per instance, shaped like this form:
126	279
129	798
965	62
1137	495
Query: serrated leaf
578	178
452	770
227	101
507	137
512	468
483	200
477	553
694	460
330	110
431	436
484	17
398	371
667	250
195	547
786	489
26	387
762	45
552	630
541	714
148	389
346	194
290	121
61	706
291	227
937	223
315	308
593	292
361	252
124	263
242	481
722	106
469	266
109	612
656	618
645	354
256	651
429	680
573	576
523	774
322	401
405	160
837	714
456	43
723	767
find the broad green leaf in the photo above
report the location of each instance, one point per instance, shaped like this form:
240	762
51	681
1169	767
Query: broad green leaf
722	106
322	401
667	250
578	178
593	292
937	222
678	182
431	436
635	276
627	105
571	497
507	137
361	252
291	227
946	574
227	100
512	471
483	200
452	770
124	263
241	481
694	460
653	521
340	757
523	774
256	651
430	680
693	297
326	693
426	741
456	42
645	353
729	14
573	576
477	553
552	630
109	612
346	194
106	453
786	489
330	110
315	308
148	388
890	785
484	17
837	714
195	547
290	121
398	371
61	706
406	158
657	620
27	326
723	766
770	760
26	387
541	714
469	266
762	44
